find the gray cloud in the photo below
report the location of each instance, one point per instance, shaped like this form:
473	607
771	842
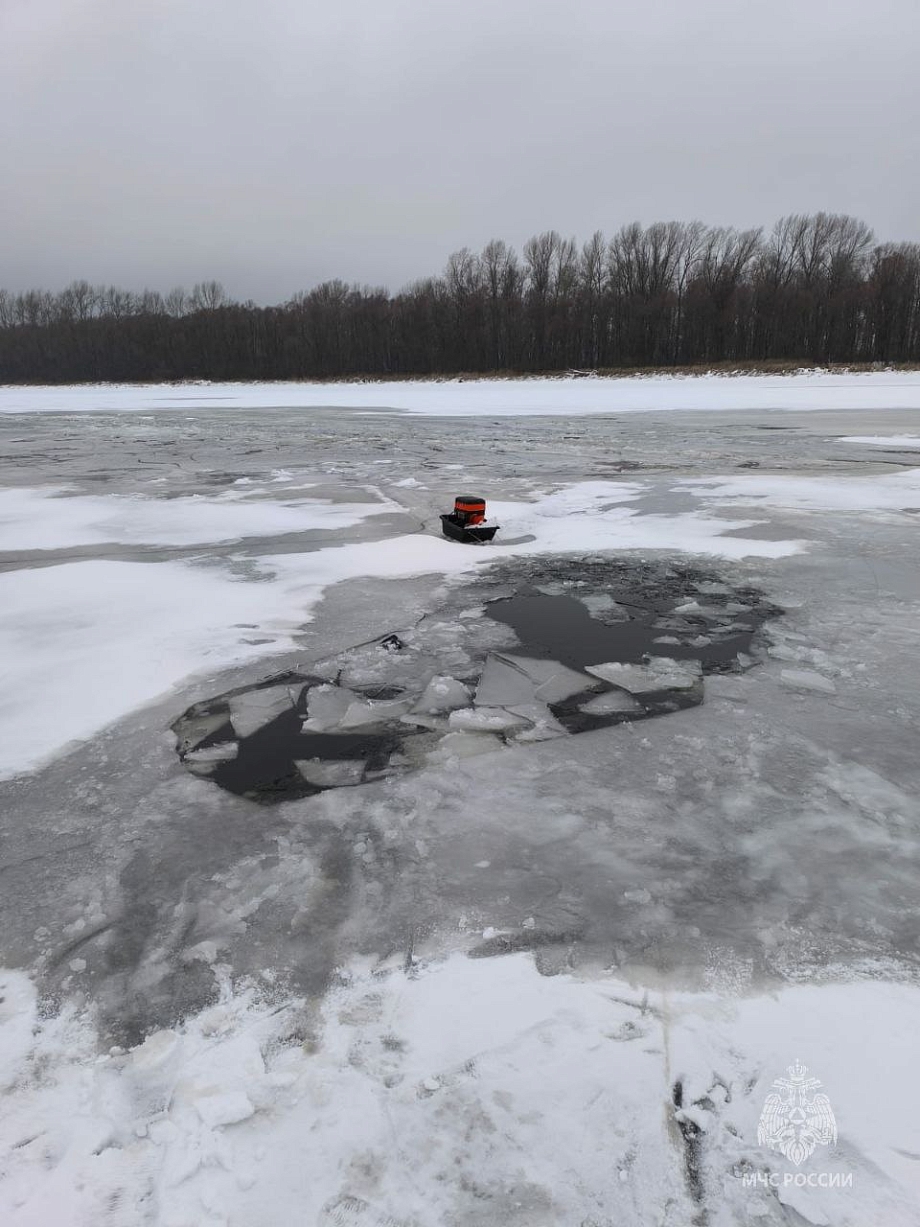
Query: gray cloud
275	143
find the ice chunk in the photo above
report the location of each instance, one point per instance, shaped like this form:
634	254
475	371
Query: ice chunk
501	683
673	624
661	673
224	1108
192	730
603	603
611	703
221	752
806	679
203	761
372	711
553	681
157	1050
641	895
442	694
465	745
782	651
326	706
484	720
251	711
331	773
423	721
543	724
728	686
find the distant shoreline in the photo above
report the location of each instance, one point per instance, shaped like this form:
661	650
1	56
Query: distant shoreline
722	370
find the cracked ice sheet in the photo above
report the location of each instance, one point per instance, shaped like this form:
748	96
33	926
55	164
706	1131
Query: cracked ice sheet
883	492
804	390
85	643
51	517
417	1088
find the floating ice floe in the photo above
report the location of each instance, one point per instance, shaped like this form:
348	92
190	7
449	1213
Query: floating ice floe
327	705
604	604
203	761
373	711
462	744
609	704
502	683
484	720
542	721
442	694
660	673
197	729
552	681
251	711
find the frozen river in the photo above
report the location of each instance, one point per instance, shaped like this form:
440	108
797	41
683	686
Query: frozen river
542	964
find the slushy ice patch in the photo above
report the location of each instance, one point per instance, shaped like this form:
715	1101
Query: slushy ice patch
529	653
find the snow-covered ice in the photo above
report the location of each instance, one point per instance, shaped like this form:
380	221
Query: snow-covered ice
56	518
895	441
468	1088
806	390
894	491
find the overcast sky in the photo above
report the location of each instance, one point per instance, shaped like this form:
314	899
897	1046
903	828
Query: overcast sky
272	144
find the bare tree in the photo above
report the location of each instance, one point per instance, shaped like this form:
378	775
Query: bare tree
177	303
207	296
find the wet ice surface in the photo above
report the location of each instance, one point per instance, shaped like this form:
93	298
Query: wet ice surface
757	847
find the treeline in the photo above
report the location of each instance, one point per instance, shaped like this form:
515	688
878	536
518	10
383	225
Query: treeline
816	289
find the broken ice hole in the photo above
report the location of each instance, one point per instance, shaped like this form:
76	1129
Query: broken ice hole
574	658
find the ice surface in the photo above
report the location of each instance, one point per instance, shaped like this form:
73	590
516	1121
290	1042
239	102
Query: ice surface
117	635
487	1057
161	622
808	390
709	895
56	518
896	441
890	491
